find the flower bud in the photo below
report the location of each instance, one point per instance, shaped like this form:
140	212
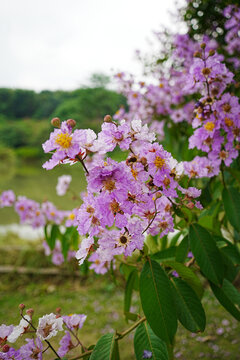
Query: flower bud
56	122
203	45
197	54
71	123
21	306
190	205
58	310
108	119
30	312
5	348
143	161
211	52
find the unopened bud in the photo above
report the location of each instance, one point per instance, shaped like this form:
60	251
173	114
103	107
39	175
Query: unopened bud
190	205
211	52
108	118
5	348
30	312
143	161
72	123
58	310
21	306
197	54
56	122
203	45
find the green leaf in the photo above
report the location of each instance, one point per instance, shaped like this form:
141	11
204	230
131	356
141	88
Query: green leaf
145	339
165	254
206	253
232	292
182	250
54	234
131	316
189	308
157	301
225	300
133	277
104	348
229	249
116	355
175	238
231	202
188	275
230	270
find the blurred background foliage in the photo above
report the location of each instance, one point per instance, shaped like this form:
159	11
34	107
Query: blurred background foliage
25	114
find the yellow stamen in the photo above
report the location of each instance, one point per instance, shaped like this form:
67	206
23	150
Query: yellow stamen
209	126
109	185
134	173
228	122
71	216
64	140
159	162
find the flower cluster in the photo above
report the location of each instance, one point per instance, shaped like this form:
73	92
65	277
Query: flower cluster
216	122
127	199
232	38
48	326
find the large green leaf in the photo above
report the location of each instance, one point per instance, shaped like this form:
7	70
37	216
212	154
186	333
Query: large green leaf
225	299
230	270
189	308
132	279
188	275
165	254
231	202
232	292
157	301
104	349
145	339
54	235
206	253
229	249
182	250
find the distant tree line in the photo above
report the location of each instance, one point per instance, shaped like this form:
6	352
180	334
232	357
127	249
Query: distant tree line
25	114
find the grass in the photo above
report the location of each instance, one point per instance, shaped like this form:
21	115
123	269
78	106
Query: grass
102	301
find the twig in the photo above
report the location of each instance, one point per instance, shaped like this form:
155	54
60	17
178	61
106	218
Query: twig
82	162
73	334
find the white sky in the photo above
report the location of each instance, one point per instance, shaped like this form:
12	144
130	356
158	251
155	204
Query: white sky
58	44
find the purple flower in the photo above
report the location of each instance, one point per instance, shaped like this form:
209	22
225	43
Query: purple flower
64	142
32	350
7	198
65	344
147	354
63	184
74	321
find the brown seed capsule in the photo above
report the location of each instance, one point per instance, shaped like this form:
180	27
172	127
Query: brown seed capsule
30	312
197	54
21	306
211	52
190	205
108	118
71	122
56	122
5	348
58	310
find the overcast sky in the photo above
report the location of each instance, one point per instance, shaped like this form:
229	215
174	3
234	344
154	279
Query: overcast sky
58	44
